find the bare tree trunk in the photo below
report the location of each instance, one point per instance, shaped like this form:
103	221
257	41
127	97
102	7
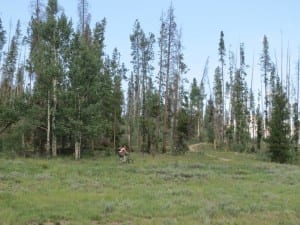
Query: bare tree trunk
165	128
262	106
252	112
176	97
198	125
160	86
83	15
168	65
114	129
23	141
78	134
77	149
137	107
222	60
48	125
129	134
54	145
165	125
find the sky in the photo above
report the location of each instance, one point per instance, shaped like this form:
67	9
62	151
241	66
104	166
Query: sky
201	22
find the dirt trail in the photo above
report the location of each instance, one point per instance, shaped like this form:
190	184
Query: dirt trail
195	148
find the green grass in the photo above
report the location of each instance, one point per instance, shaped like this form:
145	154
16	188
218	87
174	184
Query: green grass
207	187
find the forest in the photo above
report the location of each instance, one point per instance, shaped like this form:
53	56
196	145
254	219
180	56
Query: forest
69	96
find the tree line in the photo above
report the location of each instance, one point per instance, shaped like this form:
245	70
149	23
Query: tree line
66	94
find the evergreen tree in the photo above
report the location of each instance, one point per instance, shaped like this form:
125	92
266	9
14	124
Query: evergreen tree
201	108
296	125
259	128
147	68
48	59
218	94
177	87
209	122
118	72
136	40
10	112
152	108
279	141
142	57
130	110
182	128
265	62
90	90
162	43
2	39
230	84
296	120
239	104
9	68
222	54
195	104
169	62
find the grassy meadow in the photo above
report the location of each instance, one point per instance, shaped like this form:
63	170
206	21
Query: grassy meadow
206	187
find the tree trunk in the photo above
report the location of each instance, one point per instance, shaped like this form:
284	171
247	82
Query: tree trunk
77	149
23	141
48	125
129	136
78	134
54	145
176	87
165	128
114	129
160	85
198	125
223	105
168	65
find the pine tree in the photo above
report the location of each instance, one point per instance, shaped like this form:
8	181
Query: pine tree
218	94
142	57
118	72
136	40
9	68
195	104
147	68
259	128
222	54
239	104
2	39
209	120
130	110
265	62
296	125
49	55
177	89
90	90
279	140
10	111
162	43
169	61
152	109
296	109
182	127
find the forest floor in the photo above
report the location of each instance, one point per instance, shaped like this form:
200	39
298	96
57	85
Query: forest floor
200	187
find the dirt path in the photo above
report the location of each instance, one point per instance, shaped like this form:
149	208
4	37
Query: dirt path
195	148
